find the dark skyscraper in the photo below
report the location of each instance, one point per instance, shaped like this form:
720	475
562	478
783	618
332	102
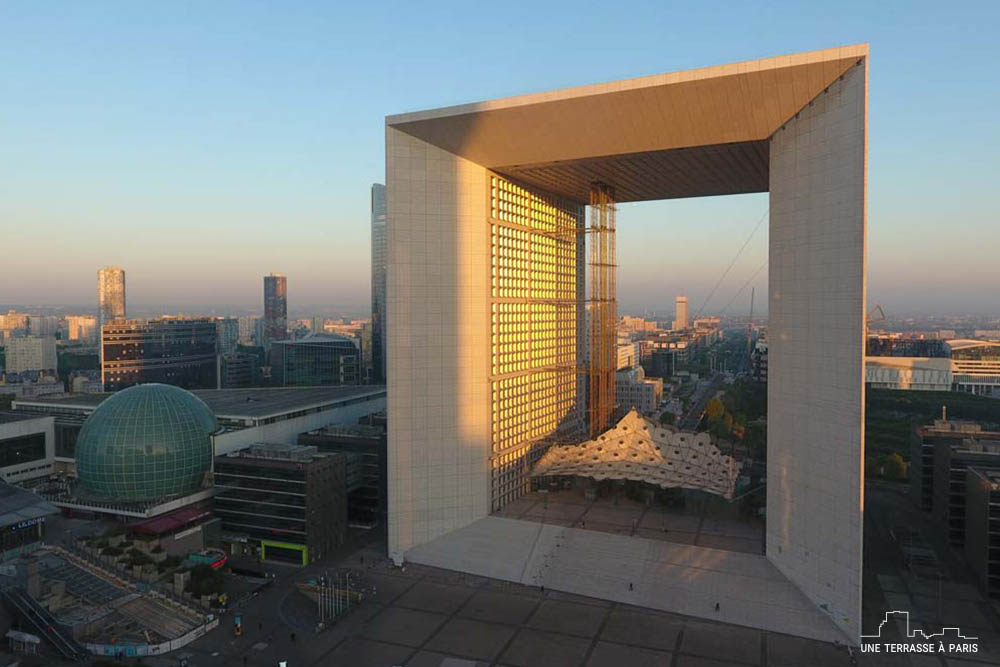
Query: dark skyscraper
181	352
380	256
275	307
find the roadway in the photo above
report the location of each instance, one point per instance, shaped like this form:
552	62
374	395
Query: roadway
703	392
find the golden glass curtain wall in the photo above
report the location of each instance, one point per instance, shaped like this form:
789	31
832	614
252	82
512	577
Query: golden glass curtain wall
536	314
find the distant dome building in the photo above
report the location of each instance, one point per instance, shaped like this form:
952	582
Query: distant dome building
145	442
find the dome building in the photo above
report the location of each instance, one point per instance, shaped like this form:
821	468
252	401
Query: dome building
146	442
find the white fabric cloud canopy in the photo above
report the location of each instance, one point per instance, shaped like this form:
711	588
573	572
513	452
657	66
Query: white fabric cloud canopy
643	451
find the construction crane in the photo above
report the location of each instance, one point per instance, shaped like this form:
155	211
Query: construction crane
870	317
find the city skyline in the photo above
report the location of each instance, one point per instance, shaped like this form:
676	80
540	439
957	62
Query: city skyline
185	158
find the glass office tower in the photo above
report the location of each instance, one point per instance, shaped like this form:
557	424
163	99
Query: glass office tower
275	307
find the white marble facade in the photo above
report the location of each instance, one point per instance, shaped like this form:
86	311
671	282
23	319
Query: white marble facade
795	126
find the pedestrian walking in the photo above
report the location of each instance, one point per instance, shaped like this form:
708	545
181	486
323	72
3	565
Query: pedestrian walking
716	606
630	585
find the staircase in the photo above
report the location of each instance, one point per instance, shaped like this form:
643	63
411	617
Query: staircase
40	619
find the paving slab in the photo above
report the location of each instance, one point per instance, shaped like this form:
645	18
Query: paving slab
432	659
470	638
788	651
698	661
531	648
360	652
581	599
568	617
608	654
439	598
498	607
644	629
388	587
403	626
723	642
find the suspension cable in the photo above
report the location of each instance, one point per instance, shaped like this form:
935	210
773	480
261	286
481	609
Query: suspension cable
733	262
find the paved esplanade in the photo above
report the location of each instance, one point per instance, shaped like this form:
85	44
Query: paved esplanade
679	578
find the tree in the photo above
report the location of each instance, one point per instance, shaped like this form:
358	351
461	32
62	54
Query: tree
205	581
667	418
719	430
715	409
755	438
895	466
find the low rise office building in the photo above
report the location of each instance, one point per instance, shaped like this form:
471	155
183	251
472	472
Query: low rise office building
27	446
958	364
982	527
245	416
365	447
22	519
314	360
176	351
939	457
634	390
290	501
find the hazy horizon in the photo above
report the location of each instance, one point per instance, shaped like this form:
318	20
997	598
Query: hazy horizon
200	155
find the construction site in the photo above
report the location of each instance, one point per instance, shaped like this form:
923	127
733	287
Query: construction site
83	609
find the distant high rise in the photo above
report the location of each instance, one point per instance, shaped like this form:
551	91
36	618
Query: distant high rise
31	353
380	256
275	307
681	313
250	330
110	294
43	325
229	334
177	351
82	328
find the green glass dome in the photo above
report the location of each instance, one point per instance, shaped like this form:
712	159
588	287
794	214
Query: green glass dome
145	442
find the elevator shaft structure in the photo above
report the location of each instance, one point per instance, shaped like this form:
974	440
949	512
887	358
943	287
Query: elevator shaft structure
602	307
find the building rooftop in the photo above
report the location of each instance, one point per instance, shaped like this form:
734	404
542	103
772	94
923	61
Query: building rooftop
7	417
170	522
240	403
277	452
957	428
561	140
19	505
318	337
355	430
967	343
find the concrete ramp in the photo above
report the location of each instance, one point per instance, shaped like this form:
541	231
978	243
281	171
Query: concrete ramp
671	577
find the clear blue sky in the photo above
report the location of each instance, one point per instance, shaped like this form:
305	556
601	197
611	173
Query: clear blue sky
201	145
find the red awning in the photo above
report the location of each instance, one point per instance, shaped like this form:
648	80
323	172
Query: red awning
169	522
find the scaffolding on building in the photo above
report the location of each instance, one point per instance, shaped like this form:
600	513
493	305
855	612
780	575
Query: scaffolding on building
602	304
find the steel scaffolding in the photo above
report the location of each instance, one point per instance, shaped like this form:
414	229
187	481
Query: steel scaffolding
602	307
